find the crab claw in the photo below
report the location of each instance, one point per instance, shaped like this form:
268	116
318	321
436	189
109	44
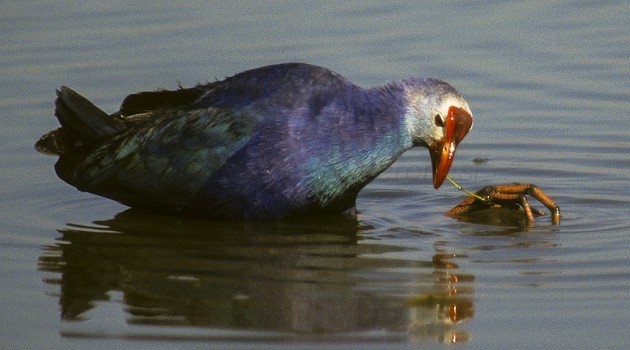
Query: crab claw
458	123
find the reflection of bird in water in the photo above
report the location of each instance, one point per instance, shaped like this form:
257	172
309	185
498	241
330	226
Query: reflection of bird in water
434	313
283	276
268	143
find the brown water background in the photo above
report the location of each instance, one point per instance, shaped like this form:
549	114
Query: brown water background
549	83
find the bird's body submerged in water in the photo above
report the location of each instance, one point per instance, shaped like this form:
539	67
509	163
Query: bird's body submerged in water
268	143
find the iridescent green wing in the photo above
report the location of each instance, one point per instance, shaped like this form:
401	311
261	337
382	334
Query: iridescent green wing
164	157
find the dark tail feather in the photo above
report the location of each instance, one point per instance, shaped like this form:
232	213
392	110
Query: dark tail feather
56	142
82	117
81	123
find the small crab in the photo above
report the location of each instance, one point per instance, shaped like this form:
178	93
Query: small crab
511	196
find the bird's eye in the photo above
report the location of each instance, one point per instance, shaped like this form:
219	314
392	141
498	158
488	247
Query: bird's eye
438	121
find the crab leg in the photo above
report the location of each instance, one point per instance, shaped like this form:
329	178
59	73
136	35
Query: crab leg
504	192
547	202
467	205
527	209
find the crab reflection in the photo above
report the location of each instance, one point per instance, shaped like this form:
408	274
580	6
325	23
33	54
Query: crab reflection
300	277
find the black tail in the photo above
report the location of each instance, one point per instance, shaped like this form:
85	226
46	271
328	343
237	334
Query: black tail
81	123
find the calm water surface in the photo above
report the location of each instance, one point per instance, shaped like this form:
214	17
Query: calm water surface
549	84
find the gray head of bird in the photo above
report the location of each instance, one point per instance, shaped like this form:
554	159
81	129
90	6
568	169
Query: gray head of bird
437	118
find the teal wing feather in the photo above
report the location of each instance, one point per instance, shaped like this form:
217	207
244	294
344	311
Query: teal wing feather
163	158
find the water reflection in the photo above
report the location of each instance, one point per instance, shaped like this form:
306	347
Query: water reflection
303	278
449	304
501	217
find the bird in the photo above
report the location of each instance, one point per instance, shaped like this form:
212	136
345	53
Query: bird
279	141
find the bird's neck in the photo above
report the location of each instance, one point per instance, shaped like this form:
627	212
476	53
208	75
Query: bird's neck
367	144
382	120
